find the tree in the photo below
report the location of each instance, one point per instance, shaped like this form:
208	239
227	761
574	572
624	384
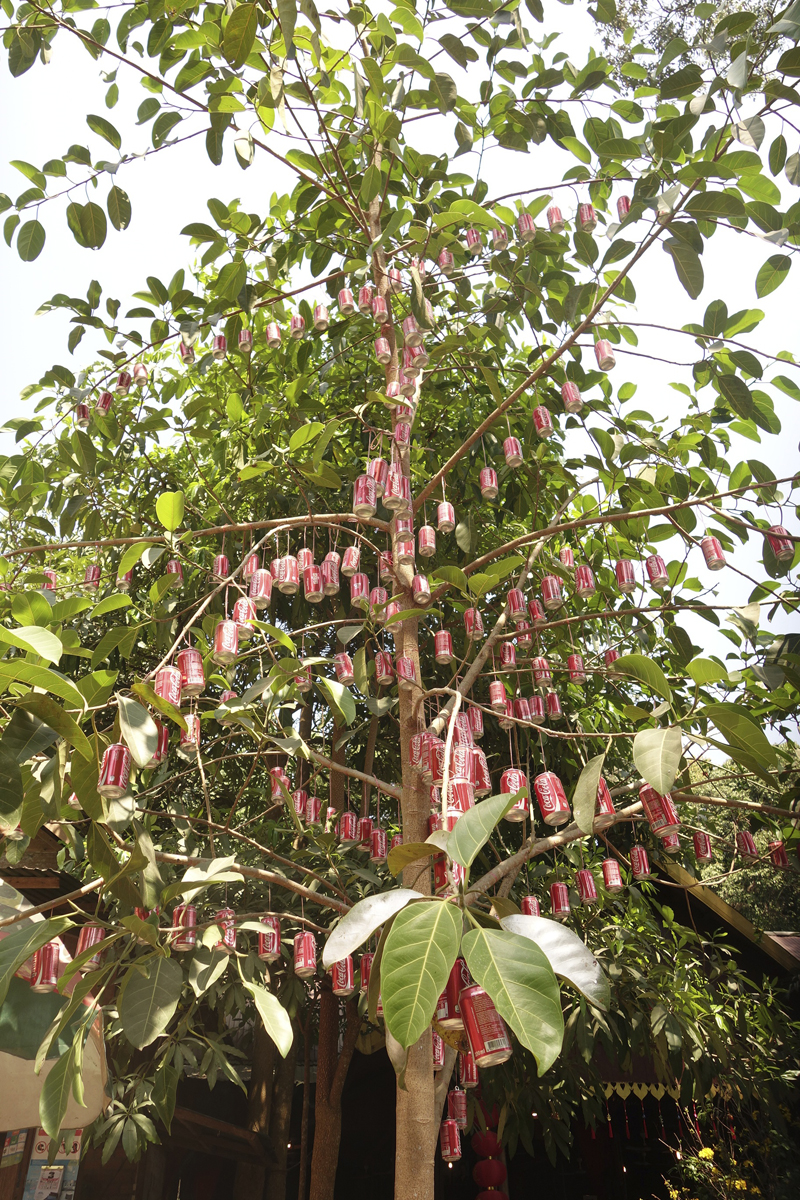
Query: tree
246	431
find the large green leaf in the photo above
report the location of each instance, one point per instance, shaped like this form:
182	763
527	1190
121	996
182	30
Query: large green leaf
657	754
53	715
139	730
12	795
419	953
688	267
402	856
570	958
170	508
56	1091
26	735
43	677
274	1016
35	639
205	968
772	274
361	922
474	828
518	976
149	998
584	801
646	671
740	730
20	944
340	699
704	671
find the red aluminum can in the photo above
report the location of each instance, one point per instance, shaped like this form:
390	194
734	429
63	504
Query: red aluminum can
288	580
250	565
385	565
51	580
499	240
781	543
461	792
511	782
488	483
745	844
365	497
45	968
115	771
91	578
671	844
554	219
297	326
348	828
536	705
553	707
457	1107
516	604
123	384
506	719
343	665
377	845
551	592
640	863
277	777
346	302
415	358
261	588
225	918
559	901
402	526
378	471
587	218
447	263
657	571
445	517
397	493
189	742
219	346
304	683
606	359
437	1050
104	402
584	581
90	935
552	798
540	670
566	557
497	696
512	451
359	590
522	709
612	876
365	967
403	414
175	569
406	672
486	1031
536	612
244	613
508	655
187	353
626	579
82	415
380	311
660	811
426	540
778	856
467	1069
412	334
383	351
577	672
702	846
299	800
313	811
305	558
365	300
305	955
190	664
462	730
384	668
609	658
221	568
321	318
421	591
475	715
395	278
529	906
713	553
605	814
474	242
364	827
330	576
393	609
378	599
342	977
542	422
245	341
473	624
570	394
184	918
416	745
525	227
449	1141
168	685
448	1009
584	881
313	587
623	207
404	552
225	698
269	941
483	778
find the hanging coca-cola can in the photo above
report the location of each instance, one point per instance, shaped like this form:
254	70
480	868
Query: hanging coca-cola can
343	977
184	919
219	346
402	527
552	705
499	240
540	670
225	918
220	568
190	664
395	280
226	642
609	658
380	311
45	967
457	1107
365	967
123	384
404	552
577	671
378	470
587	218
525	227
412	334
365	496
378	845
305	955
462	730
445	517
365	294
426	541
612	875
626	579
713	553
297	327
516	604
443	647
273	335
781	543
660	811
461	792
359	590
473	624
657	571
702	846
244	613
303	682
348	828
506	719
288	580
364	833
640	863
346	302
552	799
437	1049
245	341
551	592
269	939
671	844
449	1141
330	577
313	588
512	451
82	416
554	219
480	767
474	713
587	890
278	780
115	771
299	801
604	812
406	672
497	696
488	483
343	665
187	353
175	569
522	709
103	403
508	656
746	845
378	599
189	741
414	359
559	901
393	497
351	560
393	609
313	811
421	591
401	434
435	760
474	242
529	906
51	580
384	668
91	577
512	782
385	565
89	936
447	263
536	612
777	855
467	1069
168	685
321	318
383	351
542	422
488	1037
448	1008
571	395
606	359
537	710
623	207
584	581
566	557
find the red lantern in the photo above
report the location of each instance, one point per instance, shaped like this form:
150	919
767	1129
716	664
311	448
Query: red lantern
305	955
489	1173
115	771
552	798
486	1143
559	901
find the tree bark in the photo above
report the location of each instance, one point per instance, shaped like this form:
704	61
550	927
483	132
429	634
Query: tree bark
279	1123
332	1067
304	1120
250	1177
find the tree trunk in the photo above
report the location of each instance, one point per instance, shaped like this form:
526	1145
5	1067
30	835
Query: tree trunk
332	1067
280	1118
304	1120
250	1177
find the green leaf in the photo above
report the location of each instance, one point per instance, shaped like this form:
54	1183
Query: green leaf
53	715
361	922
452	575
570	958
21	943
56	1091
584	800
164	1093
41	677
170	508
93	225
474	828
104	129
517	975
273	1015
444	93
417	958
30	240
287	14
772	274
205	969
26	735
739	729
712	206
402	856
39	641
240	34
581	152
119	208
646	671
163	127
657	755
688	267
111	603
738	395
138	729
704	671
204	874
163	706
339	698
131	557
148	1001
